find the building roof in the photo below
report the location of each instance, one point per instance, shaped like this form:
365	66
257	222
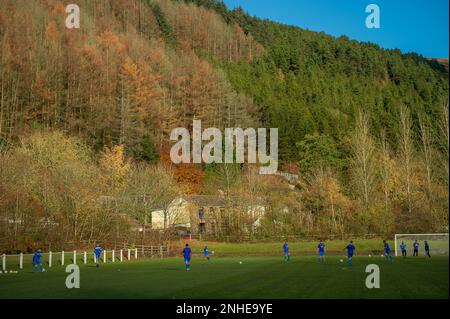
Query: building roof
222	201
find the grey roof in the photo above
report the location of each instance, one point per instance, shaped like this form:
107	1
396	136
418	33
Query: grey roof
222	201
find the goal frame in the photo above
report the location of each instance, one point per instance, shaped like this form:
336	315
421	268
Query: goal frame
396	235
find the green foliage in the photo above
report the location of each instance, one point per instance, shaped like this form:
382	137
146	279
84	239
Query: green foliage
311	81
318	151
217	6
165	27
148	151
221	177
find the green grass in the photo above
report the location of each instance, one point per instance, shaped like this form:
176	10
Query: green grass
256	277
367	246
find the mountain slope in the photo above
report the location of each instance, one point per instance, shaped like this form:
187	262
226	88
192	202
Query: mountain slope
310	81
86	113
129	74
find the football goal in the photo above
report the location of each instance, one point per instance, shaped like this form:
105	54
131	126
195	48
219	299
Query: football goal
438	243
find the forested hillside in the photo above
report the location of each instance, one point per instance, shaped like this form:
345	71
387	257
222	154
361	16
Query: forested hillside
119	79
312	82
365	128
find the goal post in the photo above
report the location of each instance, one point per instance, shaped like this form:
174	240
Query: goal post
438	242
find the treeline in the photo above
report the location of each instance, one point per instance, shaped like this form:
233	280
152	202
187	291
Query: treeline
366	129
54	189
310	82
322	93
371	189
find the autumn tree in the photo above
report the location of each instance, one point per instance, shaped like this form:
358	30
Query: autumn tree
149	189
115	166
406	150
427	154
444	139
363	159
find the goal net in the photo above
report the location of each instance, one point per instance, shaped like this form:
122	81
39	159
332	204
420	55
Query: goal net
438	243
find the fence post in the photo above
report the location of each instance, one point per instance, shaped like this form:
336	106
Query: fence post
135	253
129	254
85	257
395	243
121	255
49	259
75	257
161	250
62	258
4	262
104	256
113	256
21	261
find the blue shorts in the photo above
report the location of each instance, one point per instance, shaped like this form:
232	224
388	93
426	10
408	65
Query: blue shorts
187	259
97	257
321	253
350	255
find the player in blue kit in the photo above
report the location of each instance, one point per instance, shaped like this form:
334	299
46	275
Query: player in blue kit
37	261
387	250
416	248
427	249
321	248
187	257
97	252
350	251
403	248
287	256
206	252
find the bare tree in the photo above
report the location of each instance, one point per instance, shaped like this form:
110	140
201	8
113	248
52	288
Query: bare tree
385	171
444	141
427	151
148	189
363	162
406	152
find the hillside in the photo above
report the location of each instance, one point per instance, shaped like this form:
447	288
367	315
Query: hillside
312	82
443	62
299	81
365	128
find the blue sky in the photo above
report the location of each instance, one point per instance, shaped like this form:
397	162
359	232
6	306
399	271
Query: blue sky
420	26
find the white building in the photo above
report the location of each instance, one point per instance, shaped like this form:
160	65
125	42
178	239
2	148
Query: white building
183	212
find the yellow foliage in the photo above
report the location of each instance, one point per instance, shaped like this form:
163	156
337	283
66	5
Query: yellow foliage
52	33
108	39
114	164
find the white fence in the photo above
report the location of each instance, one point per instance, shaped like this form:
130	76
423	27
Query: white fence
68	257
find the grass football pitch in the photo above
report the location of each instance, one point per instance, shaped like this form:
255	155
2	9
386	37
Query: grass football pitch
255	277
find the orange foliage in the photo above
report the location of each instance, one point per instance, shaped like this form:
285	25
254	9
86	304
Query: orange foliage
189	176
108	40
52	33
